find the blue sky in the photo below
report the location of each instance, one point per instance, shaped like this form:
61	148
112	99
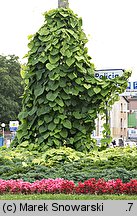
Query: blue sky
109	24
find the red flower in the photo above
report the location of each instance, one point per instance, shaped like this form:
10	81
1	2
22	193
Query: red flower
90	186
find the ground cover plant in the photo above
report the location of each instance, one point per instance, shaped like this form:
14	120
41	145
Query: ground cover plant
19	163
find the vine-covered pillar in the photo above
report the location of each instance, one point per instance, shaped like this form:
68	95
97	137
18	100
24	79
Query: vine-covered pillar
63	3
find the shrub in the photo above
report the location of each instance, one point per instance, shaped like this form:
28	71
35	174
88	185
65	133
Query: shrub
67	163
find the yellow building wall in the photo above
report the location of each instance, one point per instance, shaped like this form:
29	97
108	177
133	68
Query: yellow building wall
118	120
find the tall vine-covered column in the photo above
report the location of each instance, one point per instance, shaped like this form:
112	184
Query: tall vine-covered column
62	97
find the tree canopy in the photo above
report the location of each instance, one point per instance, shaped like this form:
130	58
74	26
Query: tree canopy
10	88
62	97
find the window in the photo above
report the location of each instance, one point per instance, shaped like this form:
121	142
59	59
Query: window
121	123
121	107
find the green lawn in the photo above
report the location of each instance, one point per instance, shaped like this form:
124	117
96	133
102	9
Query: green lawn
65	197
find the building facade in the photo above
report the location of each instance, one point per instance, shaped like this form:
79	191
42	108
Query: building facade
118	120
132	117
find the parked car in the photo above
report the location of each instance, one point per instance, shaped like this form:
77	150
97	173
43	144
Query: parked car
130	143
118	142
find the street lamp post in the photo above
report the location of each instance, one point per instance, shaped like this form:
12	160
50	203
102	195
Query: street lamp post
63	3
3	127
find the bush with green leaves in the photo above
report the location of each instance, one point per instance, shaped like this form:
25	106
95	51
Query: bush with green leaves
62	97
68	171
20	163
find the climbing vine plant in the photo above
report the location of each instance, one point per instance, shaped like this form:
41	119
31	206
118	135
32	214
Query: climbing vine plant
62	98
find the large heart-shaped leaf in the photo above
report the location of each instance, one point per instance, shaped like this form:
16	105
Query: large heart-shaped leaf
97	90
67	124
51	96
50	66
38	91
70	61
64	133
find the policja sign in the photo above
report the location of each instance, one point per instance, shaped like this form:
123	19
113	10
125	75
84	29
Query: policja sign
108	73
13	126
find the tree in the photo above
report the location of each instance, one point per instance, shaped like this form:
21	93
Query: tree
62	98
10	88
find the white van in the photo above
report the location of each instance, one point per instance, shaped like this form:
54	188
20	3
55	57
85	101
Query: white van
130	143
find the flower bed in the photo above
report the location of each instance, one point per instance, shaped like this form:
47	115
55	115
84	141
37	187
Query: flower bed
59	185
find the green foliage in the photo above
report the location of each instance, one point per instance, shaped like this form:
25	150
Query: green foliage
10	88
62	97
107	139
21	163
68	171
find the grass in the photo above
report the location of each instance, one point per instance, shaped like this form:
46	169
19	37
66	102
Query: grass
66	197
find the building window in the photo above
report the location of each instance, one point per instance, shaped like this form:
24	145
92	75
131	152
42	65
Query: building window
121	107
121	123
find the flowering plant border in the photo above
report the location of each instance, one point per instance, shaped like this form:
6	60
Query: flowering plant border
60	185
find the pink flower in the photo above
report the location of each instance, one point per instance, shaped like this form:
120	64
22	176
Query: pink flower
59	185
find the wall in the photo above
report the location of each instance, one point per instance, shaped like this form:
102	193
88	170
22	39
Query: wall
118	120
